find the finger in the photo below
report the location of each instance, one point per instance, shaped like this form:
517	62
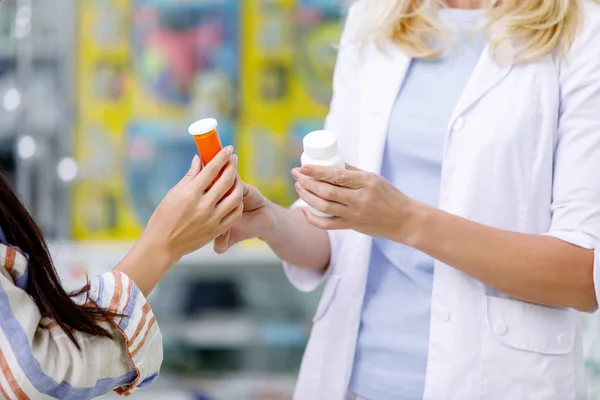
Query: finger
231	202
325	206
222	186
336	176
194	170
327	224
325	190
232	218
212	170
351	168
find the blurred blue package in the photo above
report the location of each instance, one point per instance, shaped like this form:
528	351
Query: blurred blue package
186	50
159	154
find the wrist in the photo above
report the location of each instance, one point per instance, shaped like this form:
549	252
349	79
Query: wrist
159	251
146	263
415	222
270	234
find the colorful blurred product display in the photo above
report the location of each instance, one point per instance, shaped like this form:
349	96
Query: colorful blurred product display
147	68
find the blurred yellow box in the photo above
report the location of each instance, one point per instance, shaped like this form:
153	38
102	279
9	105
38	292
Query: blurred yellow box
147	68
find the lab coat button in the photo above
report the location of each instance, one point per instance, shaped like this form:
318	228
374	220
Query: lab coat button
443	314
500	328
459	124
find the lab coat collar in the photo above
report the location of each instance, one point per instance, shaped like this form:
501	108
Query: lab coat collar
383	75
381	78
488	73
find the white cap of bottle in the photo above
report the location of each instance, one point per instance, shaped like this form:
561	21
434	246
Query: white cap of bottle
202	126
321	148
321	145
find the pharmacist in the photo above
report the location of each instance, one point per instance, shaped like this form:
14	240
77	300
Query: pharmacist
464	238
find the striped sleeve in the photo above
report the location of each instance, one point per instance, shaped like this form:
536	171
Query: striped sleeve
38	360
116	292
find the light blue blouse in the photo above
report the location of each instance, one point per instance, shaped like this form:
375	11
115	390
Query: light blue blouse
392	347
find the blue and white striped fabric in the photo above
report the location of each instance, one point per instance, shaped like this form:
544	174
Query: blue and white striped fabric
39	361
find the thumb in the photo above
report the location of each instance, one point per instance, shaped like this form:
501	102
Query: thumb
253	199
222	243
194	170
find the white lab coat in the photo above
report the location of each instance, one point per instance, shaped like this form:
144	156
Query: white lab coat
522	154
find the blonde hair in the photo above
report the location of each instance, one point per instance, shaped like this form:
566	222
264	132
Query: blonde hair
532	29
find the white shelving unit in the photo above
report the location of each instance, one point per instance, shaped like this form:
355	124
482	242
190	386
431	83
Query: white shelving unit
227	387
36	47
97	258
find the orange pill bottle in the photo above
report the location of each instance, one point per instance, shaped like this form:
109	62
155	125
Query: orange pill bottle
207	138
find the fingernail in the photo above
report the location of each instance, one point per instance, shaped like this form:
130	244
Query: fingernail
305	171
229	149
295	172
195	160
235	158
297	187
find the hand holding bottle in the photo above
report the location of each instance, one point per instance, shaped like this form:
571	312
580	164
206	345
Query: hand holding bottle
257	220
196	211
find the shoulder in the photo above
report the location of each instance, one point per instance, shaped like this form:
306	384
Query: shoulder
590	30
583	58
356	14
14	265
358	6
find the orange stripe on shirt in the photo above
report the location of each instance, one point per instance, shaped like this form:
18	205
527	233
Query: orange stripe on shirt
3	393
9	261
114	304
145	311
52	325
150	325
129	288
10	378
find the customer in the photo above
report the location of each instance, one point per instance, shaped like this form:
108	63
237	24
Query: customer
471	229
53	345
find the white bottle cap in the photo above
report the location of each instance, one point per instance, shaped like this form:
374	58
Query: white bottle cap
321	145
202	126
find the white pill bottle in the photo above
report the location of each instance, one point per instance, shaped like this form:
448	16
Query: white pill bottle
321	148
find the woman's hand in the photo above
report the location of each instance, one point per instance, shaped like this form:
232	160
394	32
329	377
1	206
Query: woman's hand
193	213
358	200
196	211
256	221
285	231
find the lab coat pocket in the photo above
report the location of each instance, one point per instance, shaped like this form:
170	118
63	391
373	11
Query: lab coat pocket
327	297
527	351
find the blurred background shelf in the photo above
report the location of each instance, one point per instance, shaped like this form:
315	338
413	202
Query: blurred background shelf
45	49
225	387
256	255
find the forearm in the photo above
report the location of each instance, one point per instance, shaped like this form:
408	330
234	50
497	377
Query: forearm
296	241
146	263
534	268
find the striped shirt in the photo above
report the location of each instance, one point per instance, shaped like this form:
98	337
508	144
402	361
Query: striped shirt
39	361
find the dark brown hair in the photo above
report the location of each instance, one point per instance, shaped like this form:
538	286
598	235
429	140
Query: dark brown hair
44	285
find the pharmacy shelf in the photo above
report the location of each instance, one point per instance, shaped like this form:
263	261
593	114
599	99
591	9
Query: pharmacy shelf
236	332
111	253
43	49
96	258
225	387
